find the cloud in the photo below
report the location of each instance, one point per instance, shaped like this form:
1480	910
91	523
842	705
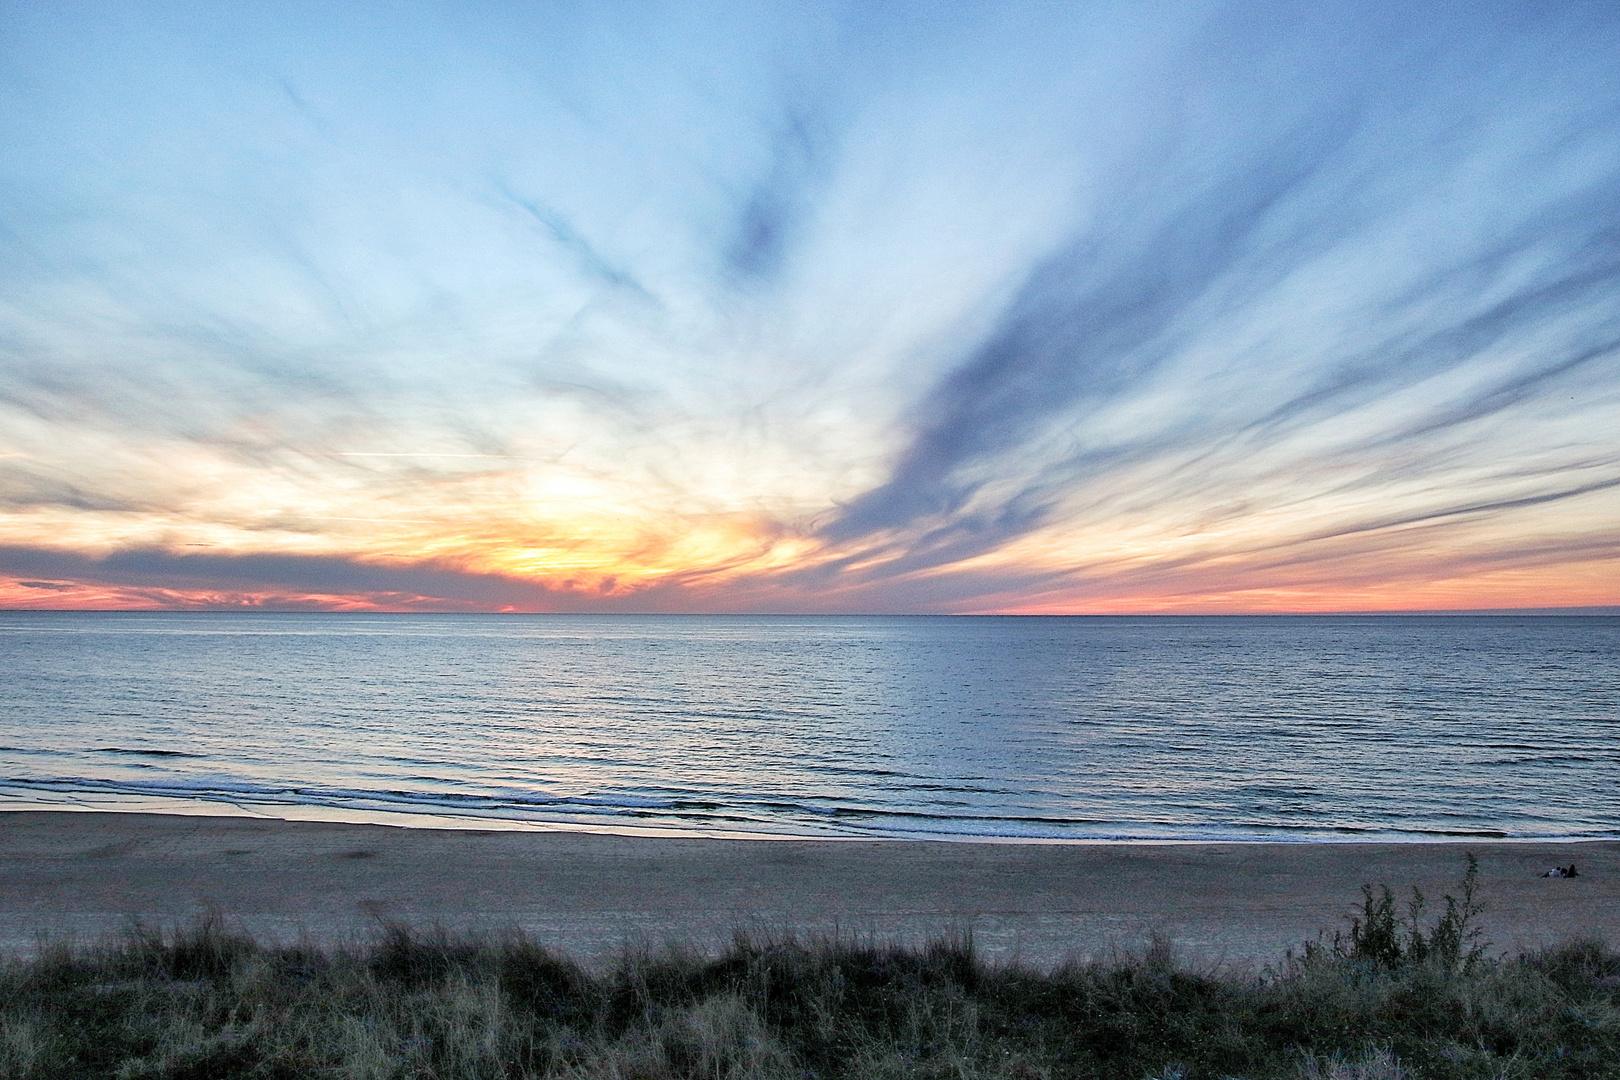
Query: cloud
590	261
236	579
921	310
774	213
1090	323
1194	235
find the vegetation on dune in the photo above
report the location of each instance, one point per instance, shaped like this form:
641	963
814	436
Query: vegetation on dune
1395	997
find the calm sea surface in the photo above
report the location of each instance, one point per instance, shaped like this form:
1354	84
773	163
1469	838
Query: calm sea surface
1073	728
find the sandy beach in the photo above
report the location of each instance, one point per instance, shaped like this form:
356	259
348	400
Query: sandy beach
85	874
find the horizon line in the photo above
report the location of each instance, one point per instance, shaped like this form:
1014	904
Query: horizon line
1599	610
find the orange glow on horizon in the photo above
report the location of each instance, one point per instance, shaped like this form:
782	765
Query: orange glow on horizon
471	544
1586	585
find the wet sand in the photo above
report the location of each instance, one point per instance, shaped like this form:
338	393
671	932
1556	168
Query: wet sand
86	874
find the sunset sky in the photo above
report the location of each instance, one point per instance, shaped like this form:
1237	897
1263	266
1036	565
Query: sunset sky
855	307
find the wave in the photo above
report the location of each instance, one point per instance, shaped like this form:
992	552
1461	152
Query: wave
762	816
145	753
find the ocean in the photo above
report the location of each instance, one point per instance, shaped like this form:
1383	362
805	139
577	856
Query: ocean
969	728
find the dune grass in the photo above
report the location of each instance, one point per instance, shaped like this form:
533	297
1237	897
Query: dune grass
1395	997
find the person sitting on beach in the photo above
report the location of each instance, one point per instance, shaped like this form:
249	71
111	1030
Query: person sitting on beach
1562	871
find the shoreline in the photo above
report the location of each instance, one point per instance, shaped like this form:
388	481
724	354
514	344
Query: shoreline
315	812
82	873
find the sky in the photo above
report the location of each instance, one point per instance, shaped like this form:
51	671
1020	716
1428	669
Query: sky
810	307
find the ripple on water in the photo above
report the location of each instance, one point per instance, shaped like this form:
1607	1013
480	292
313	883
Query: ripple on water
1079	728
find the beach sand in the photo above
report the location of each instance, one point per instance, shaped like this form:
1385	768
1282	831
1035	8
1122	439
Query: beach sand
85	874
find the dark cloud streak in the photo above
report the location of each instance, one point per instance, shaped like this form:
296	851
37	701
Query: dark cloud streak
1093	322
773	214
1190	235
590	261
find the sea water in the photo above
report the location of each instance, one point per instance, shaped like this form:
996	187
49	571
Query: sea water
1084	728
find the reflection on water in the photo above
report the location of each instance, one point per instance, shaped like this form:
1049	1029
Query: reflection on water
1268	727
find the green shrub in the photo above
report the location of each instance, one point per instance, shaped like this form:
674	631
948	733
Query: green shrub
1398	997
1379	937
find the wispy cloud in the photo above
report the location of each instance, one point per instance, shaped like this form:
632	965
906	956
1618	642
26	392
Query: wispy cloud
778	204
1204	305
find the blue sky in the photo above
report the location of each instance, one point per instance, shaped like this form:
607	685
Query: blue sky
857	307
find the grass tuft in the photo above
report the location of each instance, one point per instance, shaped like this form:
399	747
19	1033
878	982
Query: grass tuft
1398	998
